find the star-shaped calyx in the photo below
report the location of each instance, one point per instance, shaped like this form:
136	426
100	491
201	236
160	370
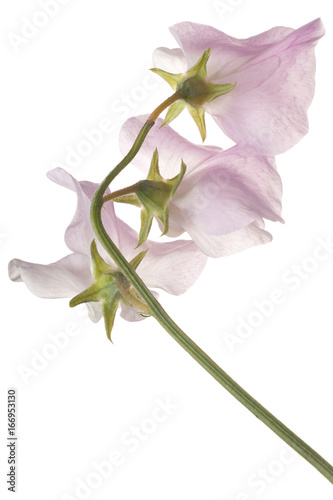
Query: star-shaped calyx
194	92
153	196
110	287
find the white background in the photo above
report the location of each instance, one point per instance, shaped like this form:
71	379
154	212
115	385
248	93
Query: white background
76	71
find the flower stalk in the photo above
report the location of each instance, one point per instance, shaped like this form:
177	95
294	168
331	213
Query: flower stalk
157	311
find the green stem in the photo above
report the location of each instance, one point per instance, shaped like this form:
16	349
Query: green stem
168	324
121	192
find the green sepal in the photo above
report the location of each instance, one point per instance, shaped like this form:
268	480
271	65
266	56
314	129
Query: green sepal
174	110
91	294
194	92
198	115
155	194
110	287
218	90
172	79
175	181
200	67
136	261
99	265
109	309
146	223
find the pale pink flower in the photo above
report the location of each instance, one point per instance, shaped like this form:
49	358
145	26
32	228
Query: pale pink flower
274	74
172	266
224	195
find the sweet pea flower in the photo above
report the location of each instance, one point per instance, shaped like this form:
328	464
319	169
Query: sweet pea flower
223	196
172	266
273	73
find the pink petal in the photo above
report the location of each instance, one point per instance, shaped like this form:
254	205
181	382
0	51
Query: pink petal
79	234
172	148
171	60
174	267
228	192
64	278
228	244
228	54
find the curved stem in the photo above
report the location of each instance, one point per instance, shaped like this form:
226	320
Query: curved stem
170	326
